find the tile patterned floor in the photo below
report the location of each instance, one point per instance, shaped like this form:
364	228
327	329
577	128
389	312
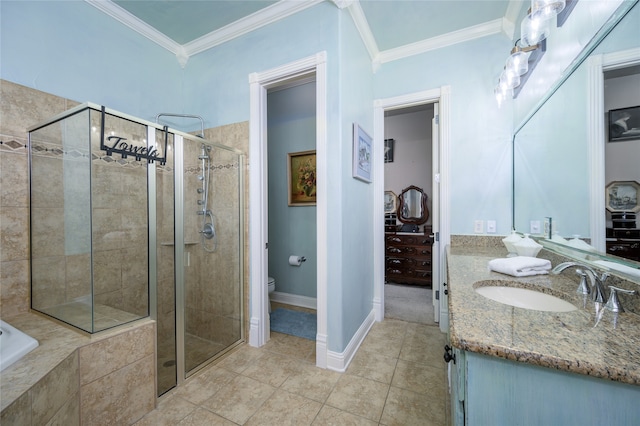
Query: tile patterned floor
397	377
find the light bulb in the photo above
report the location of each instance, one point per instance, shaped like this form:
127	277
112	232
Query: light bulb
510	79
533	30
518	61
547	9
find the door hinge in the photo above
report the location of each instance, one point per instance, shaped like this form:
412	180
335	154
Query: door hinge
437	236
437	118
437	294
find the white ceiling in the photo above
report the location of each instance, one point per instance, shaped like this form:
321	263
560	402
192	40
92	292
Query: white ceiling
389	28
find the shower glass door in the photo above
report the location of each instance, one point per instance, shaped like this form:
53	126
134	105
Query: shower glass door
213	233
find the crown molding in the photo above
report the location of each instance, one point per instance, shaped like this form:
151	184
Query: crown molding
362	25
256	20
444	40
136	24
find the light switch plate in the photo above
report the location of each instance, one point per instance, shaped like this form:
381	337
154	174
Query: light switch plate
491	227
478	226
534	227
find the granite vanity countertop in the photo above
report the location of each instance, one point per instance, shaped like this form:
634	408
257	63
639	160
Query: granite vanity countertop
575	341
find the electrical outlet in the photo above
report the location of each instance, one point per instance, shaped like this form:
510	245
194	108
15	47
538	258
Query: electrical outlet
491	227
478	226
534	227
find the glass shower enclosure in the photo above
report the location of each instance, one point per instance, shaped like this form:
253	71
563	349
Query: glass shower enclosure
131	219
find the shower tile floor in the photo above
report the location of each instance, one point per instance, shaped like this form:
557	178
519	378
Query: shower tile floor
397	377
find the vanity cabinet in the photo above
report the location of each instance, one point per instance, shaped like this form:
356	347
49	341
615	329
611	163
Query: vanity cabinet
488	390
624	243
408	258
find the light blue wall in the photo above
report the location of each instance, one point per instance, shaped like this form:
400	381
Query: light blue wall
291	127
71	49
356	106
480	145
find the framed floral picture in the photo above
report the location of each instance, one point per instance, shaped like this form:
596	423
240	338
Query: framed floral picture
301	175
362	154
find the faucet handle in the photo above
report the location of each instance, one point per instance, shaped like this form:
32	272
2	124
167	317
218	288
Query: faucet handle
583	288
613	304
604	277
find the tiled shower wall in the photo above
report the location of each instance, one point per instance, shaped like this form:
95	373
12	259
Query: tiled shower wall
20	107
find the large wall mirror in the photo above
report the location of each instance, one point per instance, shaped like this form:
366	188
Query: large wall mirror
559	149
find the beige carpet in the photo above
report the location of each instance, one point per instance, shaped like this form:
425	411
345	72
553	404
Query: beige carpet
408	303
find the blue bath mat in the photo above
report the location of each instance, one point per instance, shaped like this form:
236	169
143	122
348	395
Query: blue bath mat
294	323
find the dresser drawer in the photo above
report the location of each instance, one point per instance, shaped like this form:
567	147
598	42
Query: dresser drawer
410	240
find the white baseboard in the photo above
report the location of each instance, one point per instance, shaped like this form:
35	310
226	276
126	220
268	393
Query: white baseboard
339	361
294	300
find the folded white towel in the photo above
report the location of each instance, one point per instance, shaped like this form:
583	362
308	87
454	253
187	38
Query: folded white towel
520	266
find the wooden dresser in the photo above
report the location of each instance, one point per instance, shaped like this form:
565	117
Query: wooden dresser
408	258
624	243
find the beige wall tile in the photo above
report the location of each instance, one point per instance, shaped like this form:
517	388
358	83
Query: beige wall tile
54	390
106	356
68	414
14	181
14	240
121	397
14	281
19	412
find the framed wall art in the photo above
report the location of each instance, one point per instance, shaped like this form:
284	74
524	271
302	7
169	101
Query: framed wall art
301	178
622	196
362	154
388	150
624	124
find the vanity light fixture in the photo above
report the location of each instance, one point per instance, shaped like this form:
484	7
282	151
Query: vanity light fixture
547	9
534	28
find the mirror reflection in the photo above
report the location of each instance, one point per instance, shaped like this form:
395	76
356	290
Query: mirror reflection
564	159
412	206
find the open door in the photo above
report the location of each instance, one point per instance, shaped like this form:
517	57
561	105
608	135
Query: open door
435	213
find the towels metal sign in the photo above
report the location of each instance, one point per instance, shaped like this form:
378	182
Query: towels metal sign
119	145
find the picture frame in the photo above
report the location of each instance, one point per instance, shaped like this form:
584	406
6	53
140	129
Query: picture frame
624	124
622	196
362	154
390	202
388	150
301	178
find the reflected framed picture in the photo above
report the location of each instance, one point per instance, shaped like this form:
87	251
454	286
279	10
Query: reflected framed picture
301	178
622	196
362	154
388	150
624	124
390	202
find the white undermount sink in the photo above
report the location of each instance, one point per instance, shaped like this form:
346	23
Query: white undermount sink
525	298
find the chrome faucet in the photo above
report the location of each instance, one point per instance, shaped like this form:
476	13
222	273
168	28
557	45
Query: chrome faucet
597	282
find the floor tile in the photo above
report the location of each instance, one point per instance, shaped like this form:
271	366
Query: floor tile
420	378
312	382
407	408
330	416
372	366
201	417
205	384
360	396
170	411
285	408
239	399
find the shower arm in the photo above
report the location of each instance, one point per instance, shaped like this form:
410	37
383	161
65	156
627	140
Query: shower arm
170	114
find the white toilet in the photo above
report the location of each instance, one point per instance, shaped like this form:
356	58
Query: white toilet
271	284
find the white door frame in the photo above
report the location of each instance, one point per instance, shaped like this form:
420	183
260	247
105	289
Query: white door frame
442	96
258	221
596	66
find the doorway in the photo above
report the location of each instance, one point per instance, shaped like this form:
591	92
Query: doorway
440	100
408	260
260	83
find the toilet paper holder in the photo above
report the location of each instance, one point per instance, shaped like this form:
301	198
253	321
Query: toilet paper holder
296	260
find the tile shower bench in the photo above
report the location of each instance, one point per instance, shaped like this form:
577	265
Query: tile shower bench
71	378
515	365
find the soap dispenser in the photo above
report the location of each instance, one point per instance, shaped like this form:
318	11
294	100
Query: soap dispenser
510	241
527	247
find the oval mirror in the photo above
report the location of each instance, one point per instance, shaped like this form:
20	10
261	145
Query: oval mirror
412	207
